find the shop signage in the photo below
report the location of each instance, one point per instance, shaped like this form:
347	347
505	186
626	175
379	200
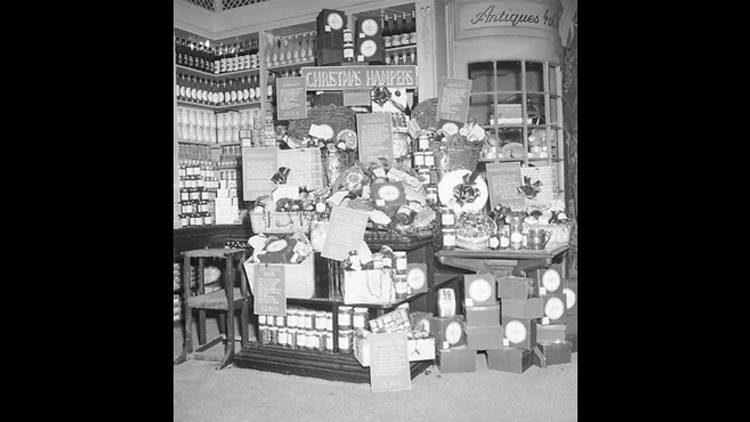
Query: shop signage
291	98
345	233
259	164
375	136
453	102
503	180
389	362
334	78
509	14
269	291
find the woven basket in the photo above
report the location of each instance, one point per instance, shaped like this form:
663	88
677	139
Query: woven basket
337	117
462	154
425	112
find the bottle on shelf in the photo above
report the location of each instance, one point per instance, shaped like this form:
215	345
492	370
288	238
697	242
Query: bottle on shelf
269	88
178	51
413	28
256	88
288	51
386	32
217	60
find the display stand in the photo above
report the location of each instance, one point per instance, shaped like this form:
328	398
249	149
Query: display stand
331	365
503	260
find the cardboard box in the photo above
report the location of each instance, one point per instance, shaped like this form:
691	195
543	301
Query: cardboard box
522	308
456	360
448	331
515	287
484	338
299	278
550	333
519	333
479	290
571	324
479	316
547	280
554	308
552	354
419	349
508	359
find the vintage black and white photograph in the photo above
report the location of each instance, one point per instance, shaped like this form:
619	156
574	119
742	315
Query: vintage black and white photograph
375	210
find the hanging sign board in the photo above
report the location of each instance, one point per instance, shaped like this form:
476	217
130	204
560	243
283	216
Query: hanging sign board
291	98
503	180
259	164
389	362
375	136
453	102
509	14
346	230
335	78
269	291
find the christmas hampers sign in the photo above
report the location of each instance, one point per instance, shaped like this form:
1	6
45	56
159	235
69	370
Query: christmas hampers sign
335	78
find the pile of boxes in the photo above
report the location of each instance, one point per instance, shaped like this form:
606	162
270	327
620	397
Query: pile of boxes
533	323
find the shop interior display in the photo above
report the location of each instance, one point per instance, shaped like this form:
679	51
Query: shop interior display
430	189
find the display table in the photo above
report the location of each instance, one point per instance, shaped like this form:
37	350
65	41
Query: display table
330	365
504	260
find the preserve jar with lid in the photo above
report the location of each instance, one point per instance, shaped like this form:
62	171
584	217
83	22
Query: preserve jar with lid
292	317
283	336
323	344
309	320
345	341
360	317
280	320
345	317
320	320
292	338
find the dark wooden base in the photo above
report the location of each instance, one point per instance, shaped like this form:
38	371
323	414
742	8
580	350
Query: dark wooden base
307	363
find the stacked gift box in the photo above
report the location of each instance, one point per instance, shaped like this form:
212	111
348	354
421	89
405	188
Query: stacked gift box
533	315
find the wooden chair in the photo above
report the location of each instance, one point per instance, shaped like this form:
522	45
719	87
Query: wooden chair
227	301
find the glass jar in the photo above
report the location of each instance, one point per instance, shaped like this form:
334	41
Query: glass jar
447	217
280	320
401	287
283	336
274	335
329	321
309	320
449	239
345	317
320	320
301	338
323	346
400	258
345	341
264	334
292	338
360	317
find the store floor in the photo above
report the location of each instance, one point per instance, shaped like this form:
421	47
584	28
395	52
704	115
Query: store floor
235	394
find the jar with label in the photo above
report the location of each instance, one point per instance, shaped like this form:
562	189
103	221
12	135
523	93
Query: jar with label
419	159
329	322
404	214
345	341
401	287
196	219
429	159
184	220
202	206
292	318
447	217
449	239
280	320
264	334
309	320
504	232
348	46
400	258
301	339
208	219
345	317
432	195
195	194
186	207
360	317
320	320
274	335
262	320
283	336
329	341
270	320
323	346
184	194
292	338
315	343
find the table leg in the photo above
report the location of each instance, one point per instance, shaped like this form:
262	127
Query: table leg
201	313
188	341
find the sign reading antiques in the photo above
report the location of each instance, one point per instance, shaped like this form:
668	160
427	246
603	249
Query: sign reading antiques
510	13
334	78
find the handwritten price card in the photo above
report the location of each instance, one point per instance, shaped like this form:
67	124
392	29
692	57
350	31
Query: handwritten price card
259	164
291	99
503	180
375	136
346	231
269	292
389	362
453	102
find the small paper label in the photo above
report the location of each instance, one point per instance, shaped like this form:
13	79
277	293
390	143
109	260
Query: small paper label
542	291
469	303
506	343
545	321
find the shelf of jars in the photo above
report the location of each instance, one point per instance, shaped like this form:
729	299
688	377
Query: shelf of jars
290	66
217	107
